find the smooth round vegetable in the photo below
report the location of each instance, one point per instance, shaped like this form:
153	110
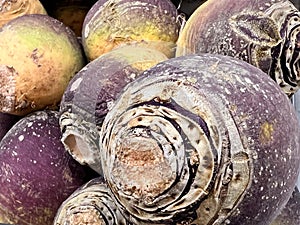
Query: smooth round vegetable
92	92
10	9
263	33
36	173
112	23
201	139
39	55
90	204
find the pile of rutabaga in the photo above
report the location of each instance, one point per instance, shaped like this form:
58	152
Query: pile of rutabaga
63	64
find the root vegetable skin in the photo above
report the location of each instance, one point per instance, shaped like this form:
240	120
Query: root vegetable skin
12	9
115	22
263	33
38	57
36	172
91	204
201	139
92	92
290	215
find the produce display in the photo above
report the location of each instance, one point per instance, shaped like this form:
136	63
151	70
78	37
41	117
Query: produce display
263	33
149	112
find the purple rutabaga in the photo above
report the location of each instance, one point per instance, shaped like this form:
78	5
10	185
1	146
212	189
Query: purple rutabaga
92	92
38	57
265	33
90	204
36	173
111	23
201	140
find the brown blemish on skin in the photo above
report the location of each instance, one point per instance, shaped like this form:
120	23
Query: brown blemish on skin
35	57
266	132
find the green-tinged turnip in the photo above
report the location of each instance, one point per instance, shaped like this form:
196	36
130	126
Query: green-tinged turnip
10	9
91	204
110	23
38	57
264	33
201	139
36	173
92	92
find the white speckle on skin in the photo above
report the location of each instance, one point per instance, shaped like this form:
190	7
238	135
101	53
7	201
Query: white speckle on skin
76	84
227	91
29	124
243	90
132	75
110	104
21	137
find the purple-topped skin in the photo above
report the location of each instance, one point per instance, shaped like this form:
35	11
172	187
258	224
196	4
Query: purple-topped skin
264	33
36	172
201	139
92	92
